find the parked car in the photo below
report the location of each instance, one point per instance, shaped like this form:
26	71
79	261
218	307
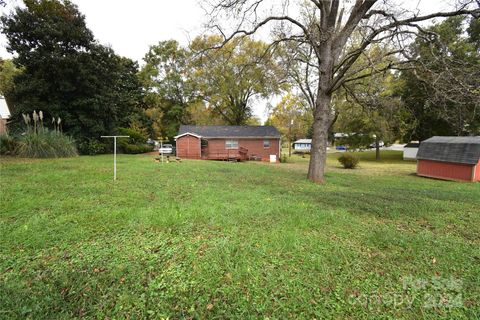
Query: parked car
166	149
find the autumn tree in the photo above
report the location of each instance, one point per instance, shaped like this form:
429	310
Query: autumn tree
233	77
201	114
291	117
325	28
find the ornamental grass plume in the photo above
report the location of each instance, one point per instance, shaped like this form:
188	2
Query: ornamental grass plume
27	120
42	142
35	120
40	116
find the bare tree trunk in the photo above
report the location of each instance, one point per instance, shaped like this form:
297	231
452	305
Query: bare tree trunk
316	168
327	32
322	114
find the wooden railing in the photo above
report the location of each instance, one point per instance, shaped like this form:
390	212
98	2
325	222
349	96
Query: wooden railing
226	154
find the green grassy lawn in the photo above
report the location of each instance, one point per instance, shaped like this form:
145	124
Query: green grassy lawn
204	239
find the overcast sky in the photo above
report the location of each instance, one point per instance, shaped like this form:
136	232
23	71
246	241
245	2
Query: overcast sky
130	27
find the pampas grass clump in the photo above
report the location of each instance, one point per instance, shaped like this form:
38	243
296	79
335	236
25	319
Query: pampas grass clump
46	144
40	142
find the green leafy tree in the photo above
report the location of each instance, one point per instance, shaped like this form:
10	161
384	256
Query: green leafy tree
442	89
230	78
200	114
326	29
372	111
8	71
291	117
203	86
66	73
166	80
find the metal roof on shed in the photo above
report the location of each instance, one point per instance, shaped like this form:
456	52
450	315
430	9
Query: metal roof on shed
412	145
304	141
231	131
450	149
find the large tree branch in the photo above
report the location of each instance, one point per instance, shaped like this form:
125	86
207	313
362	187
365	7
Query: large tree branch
263	23
409	22
357	14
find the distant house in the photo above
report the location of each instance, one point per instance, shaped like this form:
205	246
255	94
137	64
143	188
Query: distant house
339	135
302	145
450	158
4	115
410	151
228	143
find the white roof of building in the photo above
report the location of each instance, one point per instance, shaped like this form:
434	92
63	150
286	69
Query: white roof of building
303	141
340	135
4	112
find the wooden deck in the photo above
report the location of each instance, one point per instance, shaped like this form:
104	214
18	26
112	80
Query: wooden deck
239	154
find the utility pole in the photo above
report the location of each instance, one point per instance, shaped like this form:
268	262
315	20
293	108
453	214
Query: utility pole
115	153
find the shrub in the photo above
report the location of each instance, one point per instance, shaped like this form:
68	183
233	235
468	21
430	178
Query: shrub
136	148
45	144
137	136
92	147
40	142
283	158
137	141
348	161
7	145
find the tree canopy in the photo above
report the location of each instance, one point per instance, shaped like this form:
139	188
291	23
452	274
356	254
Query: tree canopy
230	78
441	87
325	30
200	85
66	73
168	89
8	72
291	117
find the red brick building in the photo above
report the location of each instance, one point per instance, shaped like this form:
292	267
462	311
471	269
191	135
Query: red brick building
228	143
450	158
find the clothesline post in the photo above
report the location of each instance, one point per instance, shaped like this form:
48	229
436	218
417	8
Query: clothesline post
114	153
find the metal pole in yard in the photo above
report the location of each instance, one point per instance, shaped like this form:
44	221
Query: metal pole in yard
114	158
114	153
161	148
290	138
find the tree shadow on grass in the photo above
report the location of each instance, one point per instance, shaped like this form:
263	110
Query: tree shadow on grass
393	199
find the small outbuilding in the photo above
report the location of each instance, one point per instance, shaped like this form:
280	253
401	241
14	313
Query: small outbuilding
450	158
302	145
410	151
228	143
4	115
